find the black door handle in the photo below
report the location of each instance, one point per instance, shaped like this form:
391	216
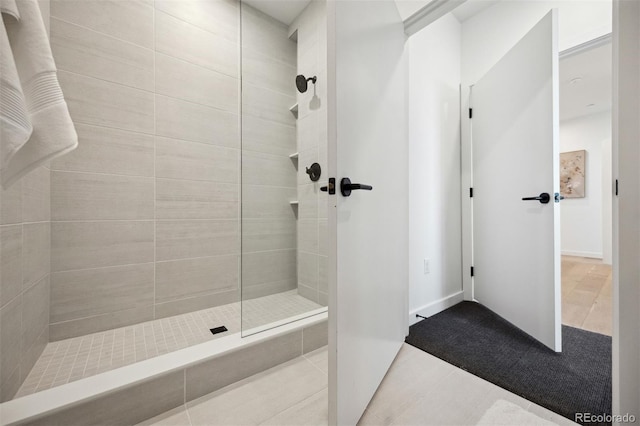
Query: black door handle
346	186
544	198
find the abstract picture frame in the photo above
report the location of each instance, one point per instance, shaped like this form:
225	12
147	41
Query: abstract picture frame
573	174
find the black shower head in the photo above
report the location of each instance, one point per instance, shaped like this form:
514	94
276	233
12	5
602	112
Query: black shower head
301	82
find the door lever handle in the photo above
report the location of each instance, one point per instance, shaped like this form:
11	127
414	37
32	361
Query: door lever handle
346	186
544	198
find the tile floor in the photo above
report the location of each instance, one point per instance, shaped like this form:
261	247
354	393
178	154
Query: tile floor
73	359
586	290
587	294
419	389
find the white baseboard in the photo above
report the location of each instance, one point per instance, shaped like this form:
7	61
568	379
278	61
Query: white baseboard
589	254
435	307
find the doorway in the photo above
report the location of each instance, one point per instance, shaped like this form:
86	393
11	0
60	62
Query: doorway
586	184
486	37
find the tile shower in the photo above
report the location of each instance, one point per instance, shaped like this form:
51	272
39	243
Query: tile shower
184	206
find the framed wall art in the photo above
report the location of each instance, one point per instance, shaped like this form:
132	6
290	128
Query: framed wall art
572	174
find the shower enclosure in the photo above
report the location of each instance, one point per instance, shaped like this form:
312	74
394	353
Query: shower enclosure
186	213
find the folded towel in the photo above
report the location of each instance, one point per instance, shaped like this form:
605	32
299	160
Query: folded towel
15	125
10	7
53	132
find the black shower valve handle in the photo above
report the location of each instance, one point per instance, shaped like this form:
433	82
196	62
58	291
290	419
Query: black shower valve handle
314	171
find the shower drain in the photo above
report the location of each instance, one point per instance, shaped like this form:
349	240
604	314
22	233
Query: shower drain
217	330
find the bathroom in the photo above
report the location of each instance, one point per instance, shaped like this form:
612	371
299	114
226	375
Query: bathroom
191	204
234	186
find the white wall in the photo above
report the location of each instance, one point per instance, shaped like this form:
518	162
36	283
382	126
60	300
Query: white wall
434	166
487	36
582	218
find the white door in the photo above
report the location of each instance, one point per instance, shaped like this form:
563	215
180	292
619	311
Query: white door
368	230
516	242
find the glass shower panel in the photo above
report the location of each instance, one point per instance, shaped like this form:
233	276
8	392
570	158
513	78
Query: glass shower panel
283	211
127	247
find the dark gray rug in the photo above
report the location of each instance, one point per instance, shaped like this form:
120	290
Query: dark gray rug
473	338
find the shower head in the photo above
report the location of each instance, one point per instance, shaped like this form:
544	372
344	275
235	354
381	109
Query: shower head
301	82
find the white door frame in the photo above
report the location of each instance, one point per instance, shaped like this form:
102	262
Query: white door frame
626	206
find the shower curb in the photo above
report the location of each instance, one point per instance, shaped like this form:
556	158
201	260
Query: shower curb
137	392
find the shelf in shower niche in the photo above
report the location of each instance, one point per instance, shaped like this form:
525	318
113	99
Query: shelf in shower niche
294	202
294	110
294	156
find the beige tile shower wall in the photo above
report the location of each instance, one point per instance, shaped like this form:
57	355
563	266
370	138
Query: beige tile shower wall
312	146
25	223
103	193
268	139
24	277
146	211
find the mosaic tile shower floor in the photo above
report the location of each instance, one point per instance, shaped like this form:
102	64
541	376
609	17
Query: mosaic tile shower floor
72	359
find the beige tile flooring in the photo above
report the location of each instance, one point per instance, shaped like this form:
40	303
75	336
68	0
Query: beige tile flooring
419	389
587	294
73	359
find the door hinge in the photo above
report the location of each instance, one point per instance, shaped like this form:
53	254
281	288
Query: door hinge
616	187
470	112
472	271
470	192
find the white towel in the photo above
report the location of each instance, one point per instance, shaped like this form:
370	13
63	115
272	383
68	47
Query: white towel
53	132
15	126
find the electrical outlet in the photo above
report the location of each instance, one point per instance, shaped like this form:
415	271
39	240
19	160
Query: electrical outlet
427	268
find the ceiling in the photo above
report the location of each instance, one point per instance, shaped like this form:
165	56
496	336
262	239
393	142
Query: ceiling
286	10
283	10
585	82
407	8
471	8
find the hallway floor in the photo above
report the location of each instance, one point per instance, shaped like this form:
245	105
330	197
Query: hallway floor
587	294
419	389
72	359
